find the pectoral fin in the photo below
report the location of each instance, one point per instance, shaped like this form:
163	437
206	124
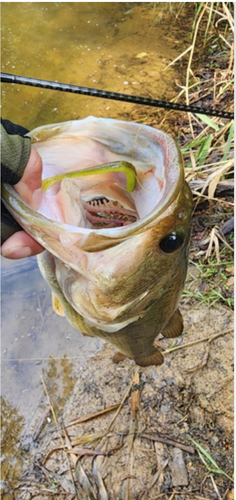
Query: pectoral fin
57	306
175	326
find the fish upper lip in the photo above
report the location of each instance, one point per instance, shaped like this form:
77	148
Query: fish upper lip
98	198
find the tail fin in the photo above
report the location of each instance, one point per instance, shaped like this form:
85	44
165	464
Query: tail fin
155	358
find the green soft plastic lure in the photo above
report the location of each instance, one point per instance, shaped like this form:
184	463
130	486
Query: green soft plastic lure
116	166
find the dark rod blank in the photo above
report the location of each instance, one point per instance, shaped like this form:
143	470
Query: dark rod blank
104	94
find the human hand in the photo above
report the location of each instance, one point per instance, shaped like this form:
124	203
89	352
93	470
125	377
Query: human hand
20	244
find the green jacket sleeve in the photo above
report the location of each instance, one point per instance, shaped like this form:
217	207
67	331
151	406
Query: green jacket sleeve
15	153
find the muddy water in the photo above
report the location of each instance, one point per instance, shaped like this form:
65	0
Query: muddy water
122	47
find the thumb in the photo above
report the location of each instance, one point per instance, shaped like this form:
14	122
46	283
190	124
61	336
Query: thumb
30	185
20	245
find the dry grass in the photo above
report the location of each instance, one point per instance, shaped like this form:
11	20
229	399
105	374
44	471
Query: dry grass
207	144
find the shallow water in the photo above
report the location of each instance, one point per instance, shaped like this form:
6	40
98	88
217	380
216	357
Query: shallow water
112	46
122	47
38	348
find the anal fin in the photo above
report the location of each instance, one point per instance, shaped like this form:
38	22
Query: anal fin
57	306
118	356
175	326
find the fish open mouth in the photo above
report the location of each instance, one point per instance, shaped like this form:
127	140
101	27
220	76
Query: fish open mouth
103	181
102	212
97	197
119	175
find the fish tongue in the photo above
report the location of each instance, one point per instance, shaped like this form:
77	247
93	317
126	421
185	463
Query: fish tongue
69	197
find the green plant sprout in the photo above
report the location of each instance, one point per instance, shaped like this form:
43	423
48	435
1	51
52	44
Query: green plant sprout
208	461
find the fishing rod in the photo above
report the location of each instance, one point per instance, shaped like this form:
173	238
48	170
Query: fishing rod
104	94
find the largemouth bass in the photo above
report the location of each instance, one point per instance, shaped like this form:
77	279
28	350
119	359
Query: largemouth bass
116	231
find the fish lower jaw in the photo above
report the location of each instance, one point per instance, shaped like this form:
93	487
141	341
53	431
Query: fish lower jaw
111	327
109	320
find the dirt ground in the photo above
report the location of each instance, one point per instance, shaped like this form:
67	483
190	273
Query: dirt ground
146	450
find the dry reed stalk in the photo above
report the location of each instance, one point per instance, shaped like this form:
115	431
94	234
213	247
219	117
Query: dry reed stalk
93	415
189	344
190	63
60	435
131	435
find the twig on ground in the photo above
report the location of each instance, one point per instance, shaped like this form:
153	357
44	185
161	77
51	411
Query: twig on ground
126	494
93	415
206	355
215	487
168	441
189	344
60	435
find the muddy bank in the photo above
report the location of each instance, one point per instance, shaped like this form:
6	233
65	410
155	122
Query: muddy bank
189	396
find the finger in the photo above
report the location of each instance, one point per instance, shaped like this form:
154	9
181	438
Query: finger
20	245
30	185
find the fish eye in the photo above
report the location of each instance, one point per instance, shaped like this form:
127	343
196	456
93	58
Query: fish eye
171	242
